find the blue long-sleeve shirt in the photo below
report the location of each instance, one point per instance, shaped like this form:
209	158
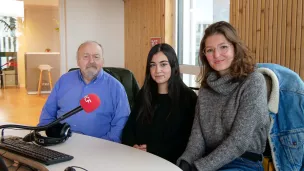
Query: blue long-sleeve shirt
106	122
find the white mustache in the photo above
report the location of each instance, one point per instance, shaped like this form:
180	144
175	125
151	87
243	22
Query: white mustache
91	66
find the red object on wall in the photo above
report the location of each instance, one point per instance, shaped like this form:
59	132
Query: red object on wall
155	40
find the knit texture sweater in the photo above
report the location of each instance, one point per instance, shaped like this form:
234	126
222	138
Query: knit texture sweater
231	119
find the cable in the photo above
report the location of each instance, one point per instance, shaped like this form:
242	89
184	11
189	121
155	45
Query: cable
26	166
79	167
18	167
32	142
2	132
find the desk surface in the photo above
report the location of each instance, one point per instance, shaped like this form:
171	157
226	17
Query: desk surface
96	154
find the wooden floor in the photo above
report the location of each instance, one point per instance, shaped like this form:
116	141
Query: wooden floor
18	107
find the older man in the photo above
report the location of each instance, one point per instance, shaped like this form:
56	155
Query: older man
110	117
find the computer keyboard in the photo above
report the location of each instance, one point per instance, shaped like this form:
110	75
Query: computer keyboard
33	151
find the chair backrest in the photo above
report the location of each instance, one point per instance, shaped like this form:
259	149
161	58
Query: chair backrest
268	85
287	108
126	78
272	94
267	152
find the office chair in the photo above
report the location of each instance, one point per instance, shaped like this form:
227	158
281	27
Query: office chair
126	78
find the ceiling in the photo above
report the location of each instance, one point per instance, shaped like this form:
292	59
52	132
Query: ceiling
41	2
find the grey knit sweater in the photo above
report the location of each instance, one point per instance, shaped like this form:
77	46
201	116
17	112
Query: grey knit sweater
231	118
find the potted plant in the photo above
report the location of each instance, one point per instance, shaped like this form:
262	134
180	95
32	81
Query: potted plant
7	26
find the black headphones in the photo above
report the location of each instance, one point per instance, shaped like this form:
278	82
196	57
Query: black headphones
72	168
56	134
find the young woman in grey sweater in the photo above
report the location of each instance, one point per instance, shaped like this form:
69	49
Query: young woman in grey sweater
231	122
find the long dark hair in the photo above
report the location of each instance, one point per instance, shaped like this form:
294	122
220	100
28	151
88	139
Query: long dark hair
149	90
242	64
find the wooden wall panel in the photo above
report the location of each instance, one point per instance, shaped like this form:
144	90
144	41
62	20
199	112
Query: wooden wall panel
301	61
145	19
298	36
272	29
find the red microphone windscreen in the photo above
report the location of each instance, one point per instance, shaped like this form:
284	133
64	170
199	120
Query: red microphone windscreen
90	102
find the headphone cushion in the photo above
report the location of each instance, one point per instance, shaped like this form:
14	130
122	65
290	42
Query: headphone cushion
65	130
58	130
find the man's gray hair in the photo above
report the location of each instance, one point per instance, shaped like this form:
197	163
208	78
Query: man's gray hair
89	41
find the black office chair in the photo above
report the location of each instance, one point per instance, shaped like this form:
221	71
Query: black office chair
126	78
3	166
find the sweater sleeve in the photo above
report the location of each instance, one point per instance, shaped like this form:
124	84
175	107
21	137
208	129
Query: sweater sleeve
251	116
196	145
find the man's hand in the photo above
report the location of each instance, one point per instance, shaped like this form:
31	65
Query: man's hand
142	147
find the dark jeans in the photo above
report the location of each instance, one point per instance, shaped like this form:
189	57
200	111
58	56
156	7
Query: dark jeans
241	164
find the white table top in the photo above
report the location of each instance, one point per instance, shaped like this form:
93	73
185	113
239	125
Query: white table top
96	154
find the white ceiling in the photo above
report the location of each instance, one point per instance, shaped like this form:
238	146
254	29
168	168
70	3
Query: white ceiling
41	2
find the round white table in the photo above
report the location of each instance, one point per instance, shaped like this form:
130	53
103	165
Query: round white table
95	154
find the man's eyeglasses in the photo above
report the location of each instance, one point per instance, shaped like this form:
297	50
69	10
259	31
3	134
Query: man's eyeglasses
87	57
221	49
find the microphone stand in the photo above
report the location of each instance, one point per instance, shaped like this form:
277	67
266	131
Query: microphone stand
42	128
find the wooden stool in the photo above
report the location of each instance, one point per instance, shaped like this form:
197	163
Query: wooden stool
44	68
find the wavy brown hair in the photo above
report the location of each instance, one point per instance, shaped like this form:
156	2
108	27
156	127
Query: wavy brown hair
242	64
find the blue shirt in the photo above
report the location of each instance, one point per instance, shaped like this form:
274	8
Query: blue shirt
106	122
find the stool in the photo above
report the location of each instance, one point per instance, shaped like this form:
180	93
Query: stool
44	68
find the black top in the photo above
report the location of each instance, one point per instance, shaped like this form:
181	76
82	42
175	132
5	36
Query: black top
165	137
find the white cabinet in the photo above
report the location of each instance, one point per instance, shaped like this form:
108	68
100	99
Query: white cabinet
9	78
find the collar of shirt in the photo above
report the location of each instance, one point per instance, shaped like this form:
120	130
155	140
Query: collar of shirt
94	80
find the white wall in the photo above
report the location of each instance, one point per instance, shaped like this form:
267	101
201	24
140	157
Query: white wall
40	28
37	32
98	20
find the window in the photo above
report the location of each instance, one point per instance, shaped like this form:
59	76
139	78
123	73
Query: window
193	17
8	40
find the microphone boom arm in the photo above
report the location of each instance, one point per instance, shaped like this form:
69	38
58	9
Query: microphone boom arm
42	128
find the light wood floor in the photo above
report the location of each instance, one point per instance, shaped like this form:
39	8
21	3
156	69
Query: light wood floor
17	106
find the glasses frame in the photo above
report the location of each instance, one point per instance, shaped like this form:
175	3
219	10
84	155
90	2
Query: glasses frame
217	47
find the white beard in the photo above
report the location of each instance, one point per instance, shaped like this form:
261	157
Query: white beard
90	73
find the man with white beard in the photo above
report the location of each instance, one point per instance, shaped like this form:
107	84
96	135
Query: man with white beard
108	120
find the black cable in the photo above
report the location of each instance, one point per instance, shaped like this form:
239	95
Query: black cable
32	142
79	167
2	132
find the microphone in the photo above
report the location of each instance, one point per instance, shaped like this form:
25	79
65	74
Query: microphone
88	103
